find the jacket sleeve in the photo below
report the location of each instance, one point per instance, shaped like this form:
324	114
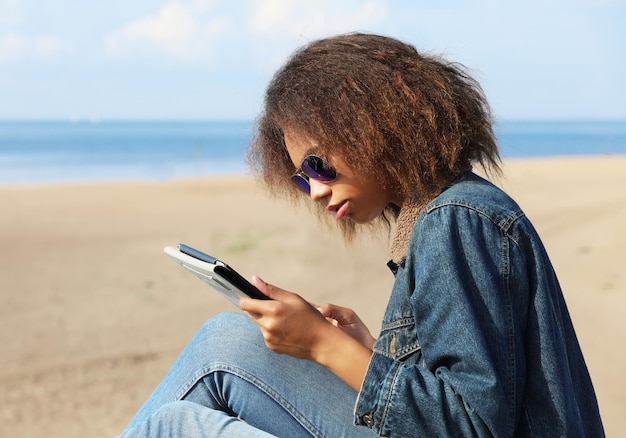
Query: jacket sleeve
468	379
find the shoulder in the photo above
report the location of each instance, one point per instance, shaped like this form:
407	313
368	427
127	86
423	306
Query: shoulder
469	201
474	194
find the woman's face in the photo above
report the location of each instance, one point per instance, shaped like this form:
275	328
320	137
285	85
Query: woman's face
350	195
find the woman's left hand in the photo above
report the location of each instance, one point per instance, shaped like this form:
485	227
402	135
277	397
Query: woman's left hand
348	321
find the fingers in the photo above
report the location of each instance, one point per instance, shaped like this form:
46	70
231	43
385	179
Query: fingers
341	314
270	290
276	295
260	284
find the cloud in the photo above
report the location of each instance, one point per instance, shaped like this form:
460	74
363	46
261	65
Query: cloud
17	46
279	26
9	5
267	30
180	31
306	19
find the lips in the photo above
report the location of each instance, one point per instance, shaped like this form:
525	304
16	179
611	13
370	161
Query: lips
340	210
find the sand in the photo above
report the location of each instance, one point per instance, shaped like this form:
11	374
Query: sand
92	313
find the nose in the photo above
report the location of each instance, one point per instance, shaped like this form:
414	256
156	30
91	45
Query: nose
319	190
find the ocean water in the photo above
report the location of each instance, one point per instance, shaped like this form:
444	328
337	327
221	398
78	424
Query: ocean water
518	139
52	151
82	151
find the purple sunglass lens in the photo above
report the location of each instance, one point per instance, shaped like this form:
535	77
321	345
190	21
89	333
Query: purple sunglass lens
301	182
316	168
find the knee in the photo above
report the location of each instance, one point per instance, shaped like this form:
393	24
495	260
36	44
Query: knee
228	325
228	332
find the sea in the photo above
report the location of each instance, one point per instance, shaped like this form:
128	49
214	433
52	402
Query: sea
79	151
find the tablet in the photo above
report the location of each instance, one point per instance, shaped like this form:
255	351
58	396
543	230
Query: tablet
216	273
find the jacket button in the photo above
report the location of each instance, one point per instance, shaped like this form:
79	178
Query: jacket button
368	419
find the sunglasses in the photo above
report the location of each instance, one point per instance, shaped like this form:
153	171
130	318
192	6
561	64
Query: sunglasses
313	167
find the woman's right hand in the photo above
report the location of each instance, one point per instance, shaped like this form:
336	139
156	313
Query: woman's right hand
330	335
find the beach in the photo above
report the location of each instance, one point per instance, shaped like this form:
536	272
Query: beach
93	313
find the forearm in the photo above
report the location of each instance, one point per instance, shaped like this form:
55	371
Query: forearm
344	356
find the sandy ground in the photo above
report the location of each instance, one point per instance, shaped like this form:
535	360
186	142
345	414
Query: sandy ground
92	313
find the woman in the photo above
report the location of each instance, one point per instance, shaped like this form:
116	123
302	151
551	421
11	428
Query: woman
476	339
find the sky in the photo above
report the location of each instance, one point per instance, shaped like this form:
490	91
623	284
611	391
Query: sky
212	59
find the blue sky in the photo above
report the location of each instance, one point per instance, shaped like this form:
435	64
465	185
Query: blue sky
211	59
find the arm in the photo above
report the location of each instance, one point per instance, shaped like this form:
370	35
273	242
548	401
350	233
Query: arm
290	325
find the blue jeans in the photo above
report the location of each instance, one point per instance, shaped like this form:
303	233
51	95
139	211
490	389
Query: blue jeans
227	383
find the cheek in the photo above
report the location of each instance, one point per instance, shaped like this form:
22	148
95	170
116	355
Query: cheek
371	206
379	200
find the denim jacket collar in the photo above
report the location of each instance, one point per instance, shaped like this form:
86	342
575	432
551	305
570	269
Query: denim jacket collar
407	217
410	211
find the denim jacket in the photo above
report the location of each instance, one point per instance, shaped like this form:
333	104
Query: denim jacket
476	339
